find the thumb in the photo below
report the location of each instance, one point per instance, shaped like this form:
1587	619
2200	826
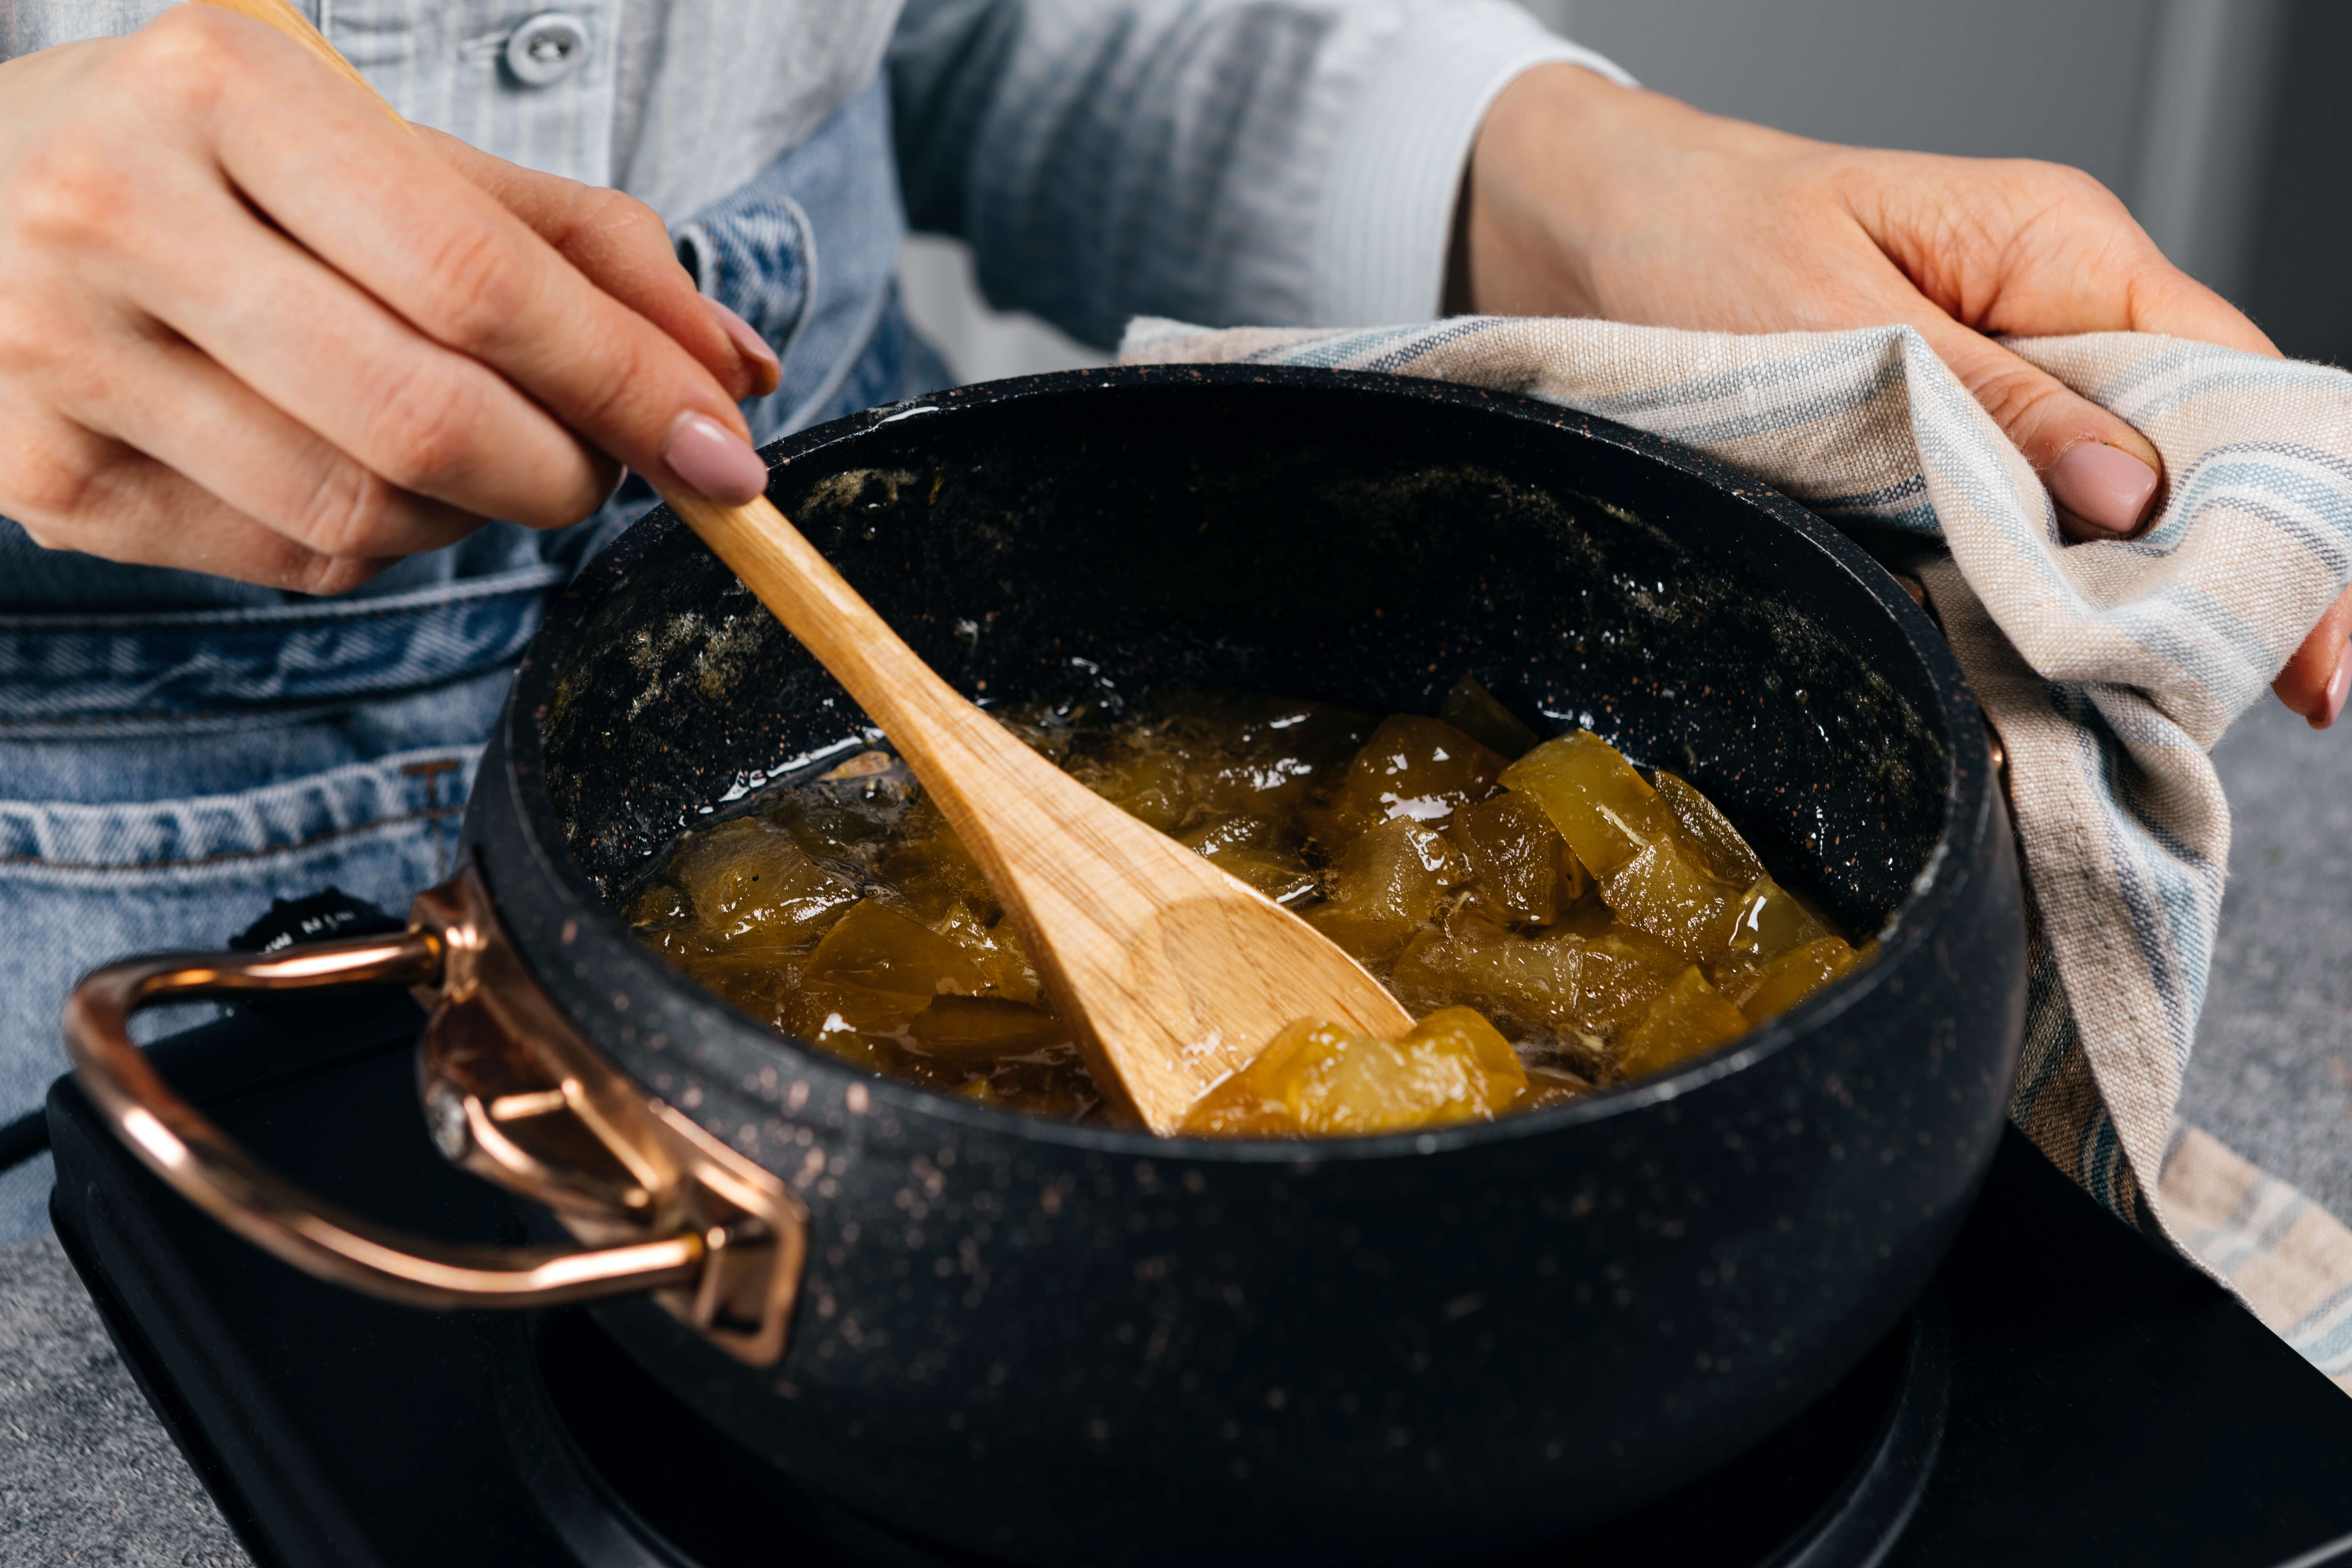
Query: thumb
2103	474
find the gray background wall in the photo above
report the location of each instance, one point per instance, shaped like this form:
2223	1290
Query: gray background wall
2223	123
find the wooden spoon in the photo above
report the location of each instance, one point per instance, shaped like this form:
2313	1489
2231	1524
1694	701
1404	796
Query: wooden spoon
1170	973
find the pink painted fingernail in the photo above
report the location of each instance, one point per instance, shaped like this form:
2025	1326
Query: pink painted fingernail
714	460
2331	701
2103	485
750	344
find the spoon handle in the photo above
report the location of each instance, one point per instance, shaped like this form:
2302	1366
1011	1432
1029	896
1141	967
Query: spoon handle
281	15
940	733
924	716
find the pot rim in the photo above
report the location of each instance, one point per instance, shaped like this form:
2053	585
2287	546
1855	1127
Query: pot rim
1968	798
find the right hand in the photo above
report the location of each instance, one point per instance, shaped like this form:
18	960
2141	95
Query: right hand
251	326
1586	198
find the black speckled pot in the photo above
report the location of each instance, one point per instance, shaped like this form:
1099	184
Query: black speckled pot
1035	1341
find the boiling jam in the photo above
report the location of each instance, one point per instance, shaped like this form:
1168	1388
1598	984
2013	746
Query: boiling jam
1558	920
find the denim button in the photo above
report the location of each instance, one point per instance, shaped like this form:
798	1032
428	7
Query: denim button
547	49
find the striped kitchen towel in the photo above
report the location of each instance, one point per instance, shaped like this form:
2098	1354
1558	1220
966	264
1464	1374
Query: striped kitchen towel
2288	1259
2109	669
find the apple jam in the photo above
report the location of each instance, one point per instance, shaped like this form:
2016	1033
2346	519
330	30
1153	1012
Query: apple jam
1558	920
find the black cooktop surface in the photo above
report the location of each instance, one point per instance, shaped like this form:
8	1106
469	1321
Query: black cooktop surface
2067	1392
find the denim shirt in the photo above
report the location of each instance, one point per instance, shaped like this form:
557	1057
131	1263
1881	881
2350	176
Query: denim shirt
177	750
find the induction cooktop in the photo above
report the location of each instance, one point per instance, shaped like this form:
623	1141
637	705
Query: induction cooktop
2067	1392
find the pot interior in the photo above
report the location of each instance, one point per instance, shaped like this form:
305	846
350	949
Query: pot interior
1360	540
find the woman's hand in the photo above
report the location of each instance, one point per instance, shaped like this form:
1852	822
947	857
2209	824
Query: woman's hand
1589	199
251	326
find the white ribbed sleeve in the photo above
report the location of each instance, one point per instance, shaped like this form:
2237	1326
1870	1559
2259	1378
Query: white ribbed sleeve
1282	162
1385	220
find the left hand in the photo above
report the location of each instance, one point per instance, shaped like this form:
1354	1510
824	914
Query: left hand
249	326
1585	198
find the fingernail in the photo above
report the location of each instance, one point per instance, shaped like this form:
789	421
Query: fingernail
2331	701
714	460
2103	485
769	370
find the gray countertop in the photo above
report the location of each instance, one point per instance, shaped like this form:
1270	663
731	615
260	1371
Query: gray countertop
86	1475
2271	1076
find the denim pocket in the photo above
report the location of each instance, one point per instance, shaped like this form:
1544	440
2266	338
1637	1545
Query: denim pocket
808	252
754	254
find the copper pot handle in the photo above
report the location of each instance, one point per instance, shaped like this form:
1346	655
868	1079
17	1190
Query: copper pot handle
208	1168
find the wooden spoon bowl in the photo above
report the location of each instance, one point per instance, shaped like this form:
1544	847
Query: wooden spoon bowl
1170	973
